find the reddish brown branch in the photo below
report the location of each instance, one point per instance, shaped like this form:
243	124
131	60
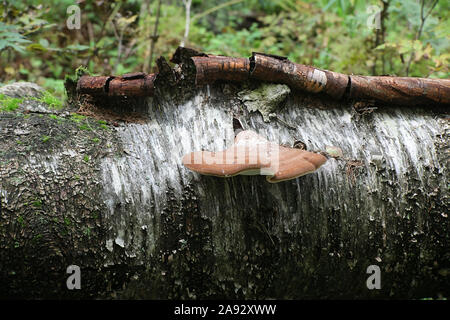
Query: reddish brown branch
392	90
298	76
401	91
132	84
270	68
212	68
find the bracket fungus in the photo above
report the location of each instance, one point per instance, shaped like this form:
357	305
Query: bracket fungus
252	154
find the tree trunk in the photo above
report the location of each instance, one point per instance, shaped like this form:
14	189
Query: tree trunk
117	202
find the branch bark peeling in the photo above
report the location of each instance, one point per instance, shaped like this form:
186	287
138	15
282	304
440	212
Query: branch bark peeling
406	91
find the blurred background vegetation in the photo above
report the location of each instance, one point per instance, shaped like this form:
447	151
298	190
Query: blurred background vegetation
116	36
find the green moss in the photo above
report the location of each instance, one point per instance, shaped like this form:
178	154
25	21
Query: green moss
20	221
103	124
8	104
95	140
84	126
49	100
37	203
37	237
75	117
70	84
86	158
79	72
55	117
67	222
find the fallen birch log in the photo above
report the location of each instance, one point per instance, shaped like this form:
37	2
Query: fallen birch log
117	201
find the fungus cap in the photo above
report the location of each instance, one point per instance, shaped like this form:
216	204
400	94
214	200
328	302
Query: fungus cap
252	154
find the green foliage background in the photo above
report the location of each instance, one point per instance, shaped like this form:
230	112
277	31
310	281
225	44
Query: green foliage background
114	38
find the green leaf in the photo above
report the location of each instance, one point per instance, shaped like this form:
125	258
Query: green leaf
36	47
77	47
3	44
44	42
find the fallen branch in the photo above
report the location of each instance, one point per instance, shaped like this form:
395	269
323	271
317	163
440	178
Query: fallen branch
133	84
407	91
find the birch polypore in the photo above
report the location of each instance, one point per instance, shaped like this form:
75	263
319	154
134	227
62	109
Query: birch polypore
252	154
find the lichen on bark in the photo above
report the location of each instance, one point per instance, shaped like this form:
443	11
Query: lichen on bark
267	99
